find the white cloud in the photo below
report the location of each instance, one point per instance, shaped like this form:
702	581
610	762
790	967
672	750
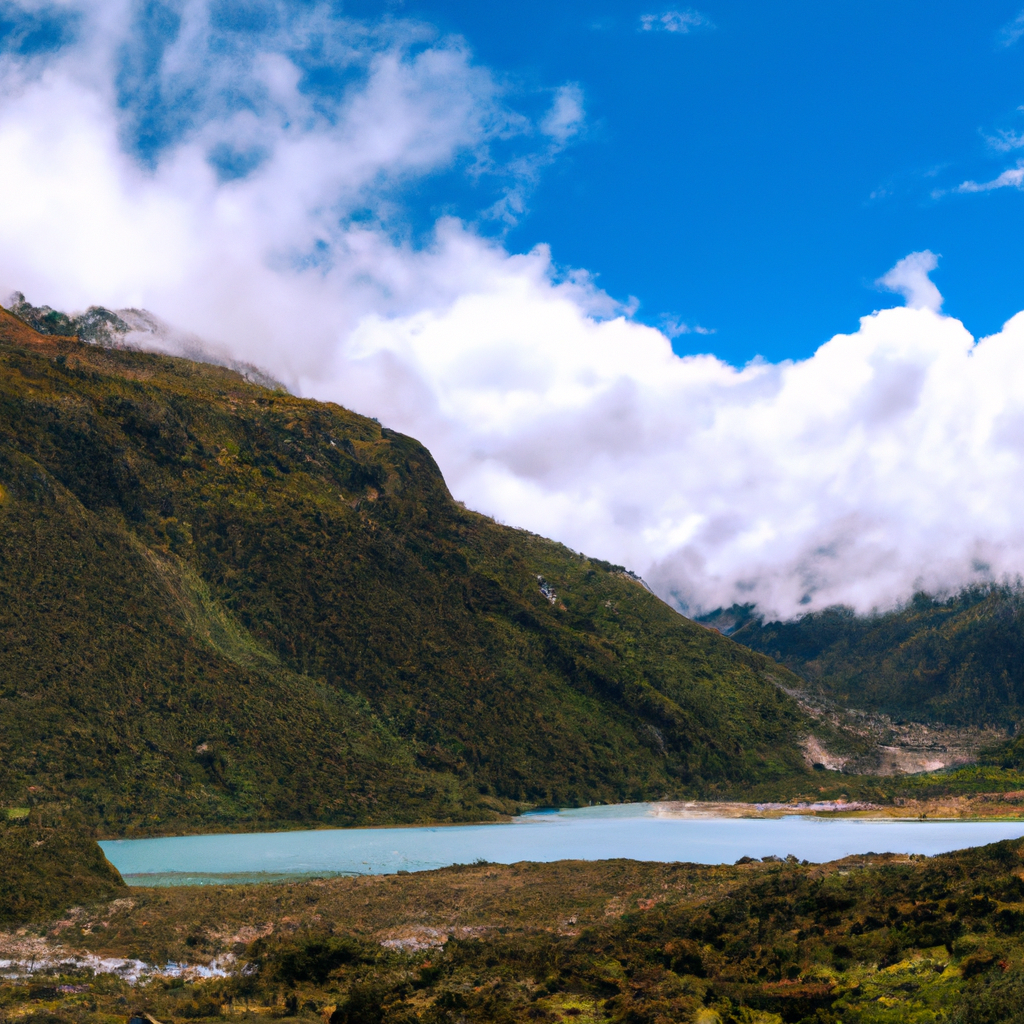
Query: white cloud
1005	140
909	278
1009	34
673	327
891	459
566	116
1012	178
564	121
674	21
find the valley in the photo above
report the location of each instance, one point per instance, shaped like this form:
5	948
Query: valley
227	609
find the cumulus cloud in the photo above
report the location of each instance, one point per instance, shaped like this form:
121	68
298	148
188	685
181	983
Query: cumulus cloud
886	462
252	186
674	21
910	279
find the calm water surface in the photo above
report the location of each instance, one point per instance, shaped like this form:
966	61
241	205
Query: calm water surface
591	833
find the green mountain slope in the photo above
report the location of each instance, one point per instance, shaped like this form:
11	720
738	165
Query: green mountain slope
223	606
958	661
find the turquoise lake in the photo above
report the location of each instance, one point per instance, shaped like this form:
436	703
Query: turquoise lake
636	831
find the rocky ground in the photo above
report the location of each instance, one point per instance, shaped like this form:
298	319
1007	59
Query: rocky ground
893	747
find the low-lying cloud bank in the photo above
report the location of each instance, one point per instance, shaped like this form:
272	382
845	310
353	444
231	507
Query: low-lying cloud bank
226	189
892	460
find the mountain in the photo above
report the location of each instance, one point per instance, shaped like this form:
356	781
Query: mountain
225	607
958	661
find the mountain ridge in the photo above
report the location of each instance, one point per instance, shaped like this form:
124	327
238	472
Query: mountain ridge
226	606
956	660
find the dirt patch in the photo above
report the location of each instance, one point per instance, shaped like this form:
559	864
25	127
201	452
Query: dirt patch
895	747
817	756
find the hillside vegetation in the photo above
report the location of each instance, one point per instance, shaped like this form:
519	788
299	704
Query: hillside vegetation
225	607
43	872
958	660
876	938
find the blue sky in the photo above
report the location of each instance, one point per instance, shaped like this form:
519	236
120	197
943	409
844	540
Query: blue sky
756	175
751	174
440	214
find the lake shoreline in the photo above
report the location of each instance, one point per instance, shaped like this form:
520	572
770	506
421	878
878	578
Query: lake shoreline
976	807
668	832
979	807
183	948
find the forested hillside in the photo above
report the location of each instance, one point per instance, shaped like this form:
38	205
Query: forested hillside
222	606
959	660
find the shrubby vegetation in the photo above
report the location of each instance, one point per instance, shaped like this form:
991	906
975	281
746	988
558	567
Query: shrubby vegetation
42	872
222	606
867	939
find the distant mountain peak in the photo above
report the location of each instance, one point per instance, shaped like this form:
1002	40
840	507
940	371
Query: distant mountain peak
133	328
